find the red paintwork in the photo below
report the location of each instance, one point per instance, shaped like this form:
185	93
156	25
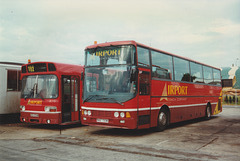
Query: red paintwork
189	101
196	94
37	106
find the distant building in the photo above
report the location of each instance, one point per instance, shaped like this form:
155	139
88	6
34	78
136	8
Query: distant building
231	77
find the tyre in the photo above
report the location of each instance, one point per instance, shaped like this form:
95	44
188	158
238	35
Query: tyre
162	120
208	112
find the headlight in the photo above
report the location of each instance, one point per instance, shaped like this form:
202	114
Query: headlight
122	114
50	108
89	113
85	112
22	108
116	114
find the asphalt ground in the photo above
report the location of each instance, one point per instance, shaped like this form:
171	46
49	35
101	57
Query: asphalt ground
199	139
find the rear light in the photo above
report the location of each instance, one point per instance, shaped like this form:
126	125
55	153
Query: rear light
50	109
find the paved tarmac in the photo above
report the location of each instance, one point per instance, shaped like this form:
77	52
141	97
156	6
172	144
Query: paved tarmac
199	139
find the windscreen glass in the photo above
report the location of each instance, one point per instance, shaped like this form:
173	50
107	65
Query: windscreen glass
39	86
108	73
110	55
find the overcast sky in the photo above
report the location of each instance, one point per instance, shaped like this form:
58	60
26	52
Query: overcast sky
59	30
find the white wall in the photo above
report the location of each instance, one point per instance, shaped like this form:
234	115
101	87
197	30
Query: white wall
9	101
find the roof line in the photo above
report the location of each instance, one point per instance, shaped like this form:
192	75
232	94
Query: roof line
11	63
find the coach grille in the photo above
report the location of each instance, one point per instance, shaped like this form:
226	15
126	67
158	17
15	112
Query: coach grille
34	120
101	113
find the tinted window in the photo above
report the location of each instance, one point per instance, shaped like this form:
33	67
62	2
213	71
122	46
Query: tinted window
110	55
51	67
196	73
24	69
39	67
181	69
208	75
143	56
144	87
162	66
13	80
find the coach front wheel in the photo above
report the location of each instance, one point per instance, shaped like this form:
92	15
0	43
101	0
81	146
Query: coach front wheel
162	120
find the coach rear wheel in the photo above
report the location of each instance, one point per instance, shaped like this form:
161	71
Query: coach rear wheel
208	112
162	120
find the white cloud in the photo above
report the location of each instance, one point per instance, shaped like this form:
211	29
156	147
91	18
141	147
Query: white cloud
52	30
225	26
1	33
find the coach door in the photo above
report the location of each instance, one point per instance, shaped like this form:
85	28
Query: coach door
144	99
70	99
75	98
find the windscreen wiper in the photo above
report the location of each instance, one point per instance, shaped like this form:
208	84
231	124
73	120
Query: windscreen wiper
90	97
116	101
104	98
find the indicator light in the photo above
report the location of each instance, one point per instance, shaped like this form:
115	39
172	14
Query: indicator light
128	115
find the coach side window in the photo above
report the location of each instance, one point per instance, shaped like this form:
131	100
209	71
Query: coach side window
196	72
162	66
143	57
208	75
217	77
181	69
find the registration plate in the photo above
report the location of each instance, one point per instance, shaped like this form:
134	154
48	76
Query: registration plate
34	115
103	120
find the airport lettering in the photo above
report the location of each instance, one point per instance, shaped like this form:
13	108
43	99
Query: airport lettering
31	102
108	53
177	90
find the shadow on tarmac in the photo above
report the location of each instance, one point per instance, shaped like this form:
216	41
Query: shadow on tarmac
54	127
142	132
110	131
44	126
